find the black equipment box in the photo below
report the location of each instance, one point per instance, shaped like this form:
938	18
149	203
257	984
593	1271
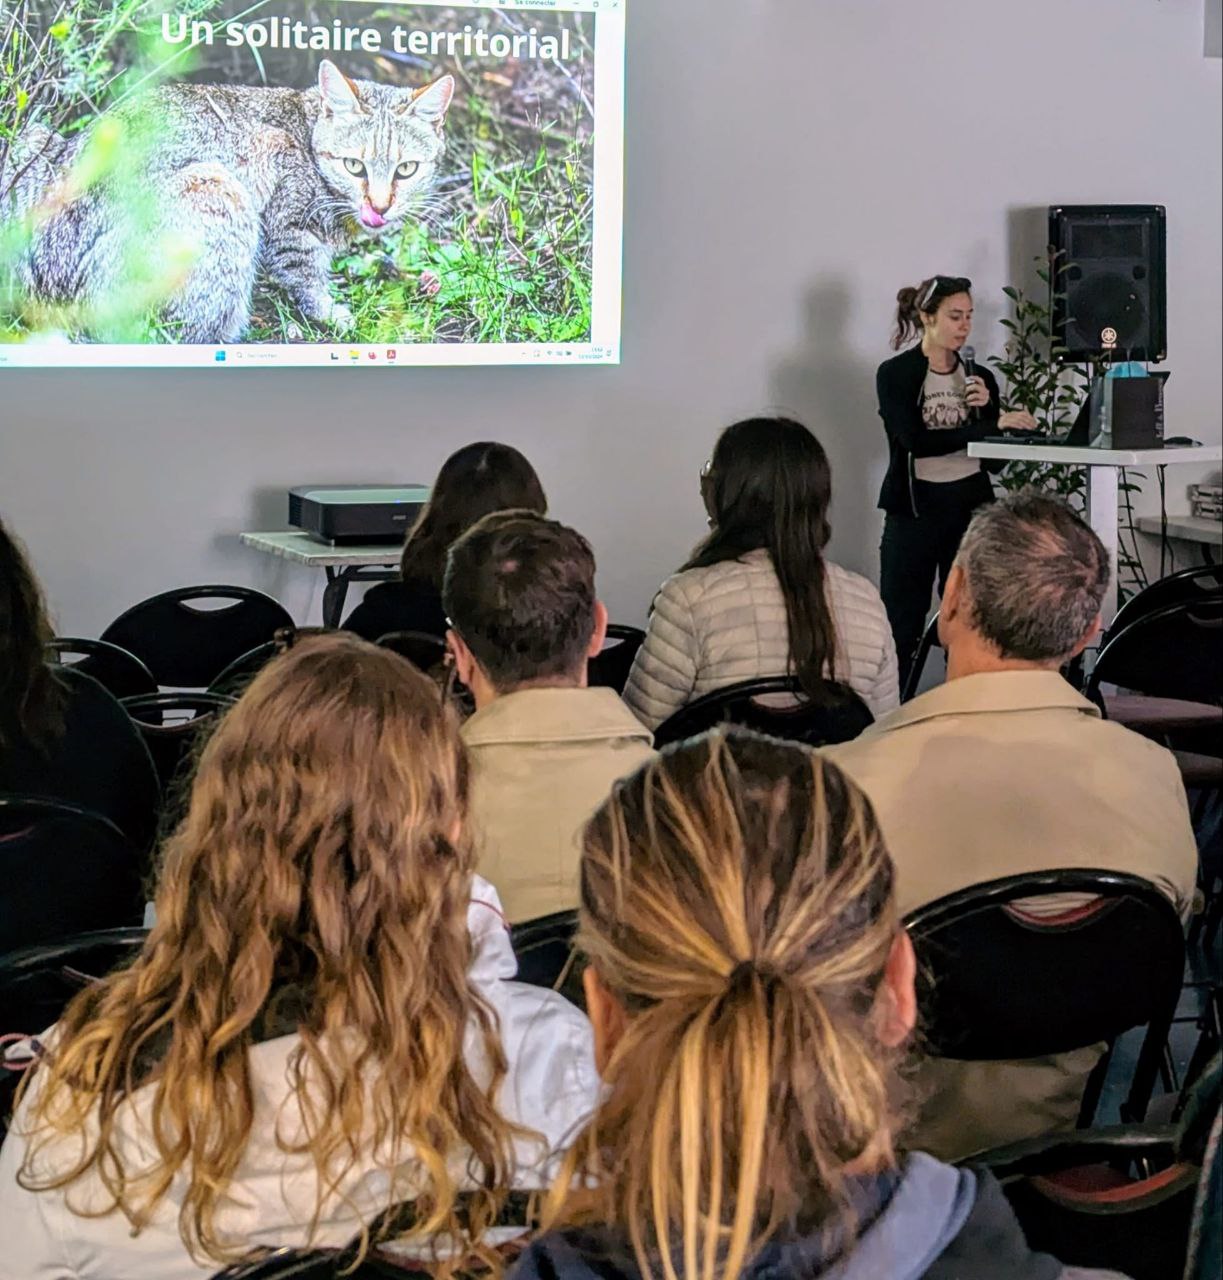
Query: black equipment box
342	515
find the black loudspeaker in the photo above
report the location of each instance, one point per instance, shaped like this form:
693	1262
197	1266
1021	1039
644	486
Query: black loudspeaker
1111	296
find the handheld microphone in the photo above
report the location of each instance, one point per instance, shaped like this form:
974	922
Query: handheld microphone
968	356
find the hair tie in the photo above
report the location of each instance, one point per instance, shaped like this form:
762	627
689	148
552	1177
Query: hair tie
741	973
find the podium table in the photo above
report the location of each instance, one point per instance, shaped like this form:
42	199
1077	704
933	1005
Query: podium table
342	565
1103	481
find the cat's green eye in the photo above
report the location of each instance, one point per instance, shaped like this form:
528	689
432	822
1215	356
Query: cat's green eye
355	167
407	169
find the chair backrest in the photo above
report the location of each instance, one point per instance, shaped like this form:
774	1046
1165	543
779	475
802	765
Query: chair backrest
841	716
63	869
928	641
318	1264
1170	653
1186	586
171	725
609	667
999	982
244	668
186	645
37	982
424	651
122	673
545	953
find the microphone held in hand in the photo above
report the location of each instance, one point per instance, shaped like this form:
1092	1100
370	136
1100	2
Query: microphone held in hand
968	357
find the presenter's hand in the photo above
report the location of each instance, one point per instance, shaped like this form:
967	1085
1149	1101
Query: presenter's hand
1017	420
976	393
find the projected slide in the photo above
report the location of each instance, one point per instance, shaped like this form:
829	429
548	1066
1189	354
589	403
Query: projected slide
252	183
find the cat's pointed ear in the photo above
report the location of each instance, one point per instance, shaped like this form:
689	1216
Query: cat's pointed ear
431	103
338	91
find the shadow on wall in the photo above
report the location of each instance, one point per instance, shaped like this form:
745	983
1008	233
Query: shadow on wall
826	386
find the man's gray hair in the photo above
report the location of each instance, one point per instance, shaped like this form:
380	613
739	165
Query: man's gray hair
1035	573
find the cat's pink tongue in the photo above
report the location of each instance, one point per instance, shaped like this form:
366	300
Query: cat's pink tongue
370	216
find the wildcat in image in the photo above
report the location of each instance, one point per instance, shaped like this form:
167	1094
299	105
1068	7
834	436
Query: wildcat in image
256	181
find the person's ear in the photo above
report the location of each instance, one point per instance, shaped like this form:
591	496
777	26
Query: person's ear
599	634
464	661
606	1014
897	1007
952	604
1089	637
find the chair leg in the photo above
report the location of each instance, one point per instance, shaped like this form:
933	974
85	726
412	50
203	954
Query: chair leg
1134	1108
1095	1087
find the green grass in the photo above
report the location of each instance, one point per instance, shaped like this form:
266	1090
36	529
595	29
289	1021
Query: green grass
503	258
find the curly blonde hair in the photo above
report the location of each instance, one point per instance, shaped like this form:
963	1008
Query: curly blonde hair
737	902
320	854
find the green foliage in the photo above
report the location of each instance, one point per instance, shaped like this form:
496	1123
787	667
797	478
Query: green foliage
61	56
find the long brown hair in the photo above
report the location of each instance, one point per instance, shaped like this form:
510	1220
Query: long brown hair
915	301
769	485
737	901
318	852
474	482
31	698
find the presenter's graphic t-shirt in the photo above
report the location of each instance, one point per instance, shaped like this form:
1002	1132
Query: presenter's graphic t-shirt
943	409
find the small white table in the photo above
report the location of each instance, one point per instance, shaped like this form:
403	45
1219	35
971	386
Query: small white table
1103	466
342	565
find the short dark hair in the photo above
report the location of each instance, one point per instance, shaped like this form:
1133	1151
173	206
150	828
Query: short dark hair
1036	574
520	591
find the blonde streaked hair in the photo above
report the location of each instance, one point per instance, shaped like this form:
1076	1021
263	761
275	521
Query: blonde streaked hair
318	853
737	901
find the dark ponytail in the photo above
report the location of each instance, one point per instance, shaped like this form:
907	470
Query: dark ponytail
914	301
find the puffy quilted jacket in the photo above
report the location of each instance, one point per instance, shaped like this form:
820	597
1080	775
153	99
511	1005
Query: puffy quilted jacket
725	623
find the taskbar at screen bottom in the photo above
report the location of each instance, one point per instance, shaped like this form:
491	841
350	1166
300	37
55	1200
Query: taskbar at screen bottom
52	355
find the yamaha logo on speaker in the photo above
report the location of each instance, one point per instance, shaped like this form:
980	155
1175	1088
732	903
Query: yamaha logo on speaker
1108	337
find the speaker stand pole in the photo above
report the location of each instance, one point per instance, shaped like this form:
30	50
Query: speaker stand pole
1102	490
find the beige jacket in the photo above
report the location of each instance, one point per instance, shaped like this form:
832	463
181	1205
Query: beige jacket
727	622
990	775
543	760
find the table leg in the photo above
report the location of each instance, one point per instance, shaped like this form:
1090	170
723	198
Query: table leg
334	594
1102	490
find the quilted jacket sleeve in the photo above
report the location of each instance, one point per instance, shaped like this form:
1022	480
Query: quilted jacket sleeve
664	671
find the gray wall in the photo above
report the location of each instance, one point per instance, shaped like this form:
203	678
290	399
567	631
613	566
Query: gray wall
790	163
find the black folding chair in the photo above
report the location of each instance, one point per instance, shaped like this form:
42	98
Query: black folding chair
998	983
1195	586
1170	653
122	673
546	956
1119	1198
36	983
316	1264
171	725
838	717
232	682
63	869
609	667
928	640
424	651
186	644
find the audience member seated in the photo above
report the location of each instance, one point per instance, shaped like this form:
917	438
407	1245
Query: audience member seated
321	1023
62	735
757	597
478	479
1006	769
751	989
545	748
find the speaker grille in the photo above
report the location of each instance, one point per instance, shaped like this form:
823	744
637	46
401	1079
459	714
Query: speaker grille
1111	296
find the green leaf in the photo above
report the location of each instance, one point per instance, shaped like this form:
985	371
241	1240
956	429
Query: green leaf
60	30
